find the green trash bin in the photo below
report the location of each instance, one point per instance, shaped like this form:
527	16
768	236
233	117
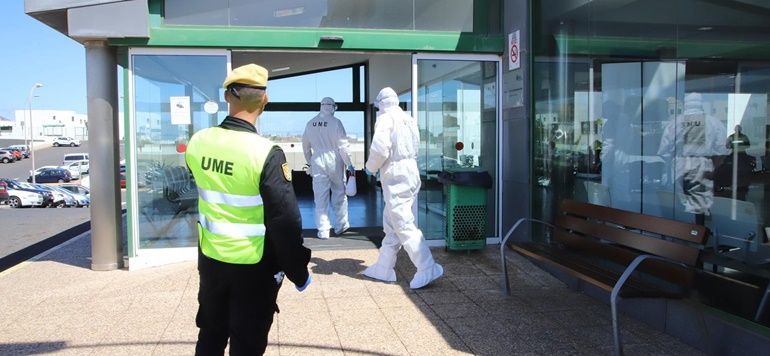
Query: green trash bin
466	208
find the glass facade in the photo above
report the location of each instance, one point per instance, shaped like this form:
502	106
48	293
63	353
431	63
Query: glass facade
658	107
173	97
418	15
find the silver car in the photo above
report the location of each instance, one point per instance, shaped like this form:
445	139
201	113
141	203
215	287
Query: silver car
78	200
7	157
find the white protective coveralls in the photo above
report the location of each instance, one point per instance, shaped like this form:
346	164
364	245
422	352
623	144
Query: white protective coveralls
694	139
326	149
393	153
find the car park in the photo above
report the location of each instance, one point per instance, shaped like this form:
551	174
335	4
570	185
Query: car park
4	193
7	156
65	141
53	175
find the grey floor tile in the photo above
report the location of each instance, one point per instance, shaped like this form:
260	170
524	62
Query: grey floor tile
441	297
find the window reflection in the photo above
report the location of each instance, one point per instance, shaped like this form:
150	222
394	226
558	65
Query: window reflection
428	15
170	92
663	115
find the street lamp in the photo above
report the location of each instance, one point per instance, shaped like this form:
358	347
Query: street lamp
31	129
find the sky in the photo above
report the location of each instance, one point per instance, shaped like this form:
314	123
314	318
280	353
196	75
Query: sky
33	53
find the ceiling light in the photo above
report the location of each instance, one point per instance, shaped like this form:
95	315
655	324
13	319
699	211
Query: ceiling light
282	69
705	28
289	12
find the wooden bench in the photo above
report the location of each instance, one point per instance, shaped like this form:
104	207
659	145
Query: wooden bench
624	253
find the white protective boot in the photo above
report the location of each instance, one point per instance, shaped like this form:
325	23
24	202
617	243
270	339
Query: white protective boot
383	269
424	277
417	249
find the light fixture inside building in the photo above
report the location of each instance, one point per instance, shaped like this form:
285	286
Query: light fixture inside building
211	107
282	69
705	28
289	12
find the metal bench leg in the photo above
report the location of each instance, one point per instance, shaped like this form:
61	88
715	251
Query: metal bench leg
503	262
762	304
506	282
618	350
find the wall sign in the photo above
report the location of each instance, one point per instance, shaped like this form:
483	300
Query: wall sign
514	50
180	110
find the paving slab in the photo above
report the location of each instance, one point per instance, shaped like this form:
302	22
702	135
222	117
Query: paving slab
56	305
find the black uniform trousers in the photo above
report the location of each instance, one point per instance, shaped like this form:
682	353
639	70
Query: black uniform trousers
235	302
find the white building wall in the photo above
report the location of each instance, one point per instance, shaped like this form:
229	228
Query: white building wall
53	123
50	123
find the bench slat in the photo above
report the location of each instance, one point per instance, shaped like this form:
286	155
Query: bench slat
590	273
649	244
662	226
623	256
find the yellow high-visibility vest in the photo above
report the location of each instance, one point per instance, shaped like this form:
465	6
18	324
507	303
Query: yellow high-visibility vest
227	166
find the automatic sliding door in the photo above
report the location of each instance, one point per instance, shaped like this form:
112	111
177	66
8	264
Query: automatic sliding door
457	111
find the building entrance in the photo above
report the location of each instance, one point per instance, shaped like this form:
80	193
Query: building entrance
174	93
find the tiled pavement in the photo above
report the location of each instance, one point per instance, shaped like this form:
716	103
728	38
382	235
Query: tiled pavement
56	305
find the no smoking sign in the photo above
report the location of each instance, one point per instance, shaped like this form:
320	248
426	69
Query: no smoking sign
513	46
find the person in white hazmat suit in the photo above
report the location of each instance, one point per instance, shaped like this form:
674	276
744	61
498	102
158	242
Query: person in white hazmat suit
393	153
694	140
326	149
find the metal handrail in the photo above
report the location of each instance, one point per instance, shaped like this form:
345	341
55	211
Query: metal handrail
502	248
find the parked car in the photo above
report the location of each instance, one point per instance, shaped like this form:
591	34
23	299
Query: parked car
4	193
65	141
122	179
53	175
7	156
76	168
74	157
23	148
42	168
60	199
18	198
16	153
77	189
78	200
18	189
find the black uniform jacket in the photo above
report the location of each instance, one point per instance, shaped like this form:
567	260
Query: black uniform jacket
283	247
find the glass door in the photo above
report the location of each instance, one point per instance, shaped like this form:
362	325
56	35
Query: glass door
456	102
173	93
